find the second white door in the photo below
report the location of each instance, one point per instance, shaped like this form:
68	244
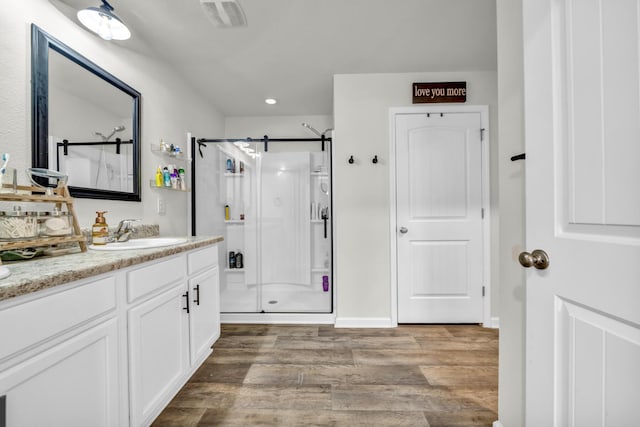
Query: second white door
439	217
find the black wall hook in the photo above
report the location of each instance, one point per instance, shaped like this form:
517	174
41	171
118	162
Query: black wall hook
375	159
351	160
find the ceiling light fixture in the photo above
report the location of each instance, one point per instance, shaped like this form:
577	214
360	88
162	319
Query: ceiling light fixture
270	101
102	21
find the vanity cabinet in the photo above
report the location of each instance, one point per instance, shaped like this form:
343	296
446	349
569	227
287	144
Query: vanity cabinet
112	350
172	323
60	359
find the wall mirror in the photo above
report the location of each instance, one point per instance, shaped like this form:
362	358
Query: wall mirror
85	122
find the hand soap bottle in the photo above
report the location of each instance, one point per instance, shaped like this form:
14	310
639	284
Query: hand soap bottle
100	230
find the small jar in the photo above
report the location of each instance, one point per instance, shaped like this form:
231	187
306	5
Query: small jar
18	224
55	224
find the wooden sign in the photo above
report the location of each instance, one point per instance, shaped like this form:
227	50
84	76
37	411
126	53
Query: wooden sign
439	92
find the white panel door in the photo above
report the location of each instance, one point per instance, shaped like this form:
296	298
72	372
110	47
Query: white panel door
582	107
439	217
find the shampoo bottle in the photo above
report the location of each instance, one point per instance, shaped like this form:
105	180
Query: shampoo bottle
100	230
183	181
239	260
227	216
166	177
159	178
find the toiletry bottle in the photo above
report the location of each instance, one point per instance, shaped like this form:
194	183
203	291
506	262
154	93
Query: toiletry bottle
166	176
229	166
183	181
100	230
163	146
239	259
174	181
325	283
232	260
227	216
159	178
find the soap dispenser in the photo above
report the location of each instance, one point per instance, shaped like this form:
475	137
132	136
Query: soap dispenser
100	230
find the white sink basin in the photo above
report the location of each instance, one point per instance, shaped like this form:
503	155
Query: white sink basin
147	243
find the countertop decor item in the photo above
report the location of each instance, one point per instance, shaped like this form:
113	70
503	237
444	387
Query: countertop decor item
58	196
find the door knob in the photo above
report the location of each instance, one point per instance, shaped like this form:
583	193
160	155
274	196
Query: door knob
403	230
538	259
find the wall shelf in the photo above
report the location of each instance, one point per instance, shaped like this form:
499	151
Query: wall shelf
233	175
234	270
155	148
152	184
234	222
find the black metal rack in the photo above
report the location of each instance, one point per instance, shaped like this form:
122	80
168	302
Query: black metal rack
65	144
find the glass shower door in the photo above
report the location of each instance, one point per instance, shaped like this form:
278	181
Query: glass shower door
294	252
274	209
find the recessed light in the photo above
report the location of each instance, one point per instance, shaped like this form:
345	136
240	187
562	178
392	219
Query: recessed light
270	101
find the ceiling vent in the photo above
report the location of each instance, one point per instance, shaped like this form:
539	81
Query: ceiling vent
224	13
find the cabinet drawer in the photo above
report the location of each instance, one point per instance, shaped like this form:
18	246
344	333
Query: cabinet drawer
155	276
202	259
38	320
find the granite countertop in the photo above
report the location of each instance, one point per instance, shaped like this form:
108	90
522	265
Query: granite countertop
46	272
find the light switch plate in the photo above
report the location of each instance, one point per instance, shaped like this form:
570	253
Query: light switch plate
162	206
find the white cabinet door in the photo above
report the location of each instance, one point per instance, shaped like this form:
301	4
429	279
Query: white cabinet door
204	318
158	355
74	383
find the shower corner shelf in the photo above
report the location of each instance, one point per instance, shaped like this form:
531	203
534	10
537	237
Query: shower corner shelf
234	174
234	270
234	222
319	174
152	184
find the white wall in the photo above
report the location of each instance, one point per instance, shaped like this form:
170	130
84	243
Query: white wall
276	126
362	193
512	293
169	107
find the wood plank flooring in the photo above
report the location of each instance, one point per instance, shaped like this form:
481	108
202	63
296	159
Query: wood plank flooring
316	375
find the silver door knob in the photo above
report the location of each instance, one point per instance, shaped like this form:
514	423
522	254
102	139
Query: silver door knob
538	259
403	230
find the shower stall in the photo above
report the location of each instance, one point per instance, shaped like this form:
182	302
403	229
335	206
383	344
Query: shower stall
271	201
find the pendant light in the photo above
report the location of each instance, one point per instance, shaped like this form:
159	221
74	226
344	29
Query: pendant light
102	21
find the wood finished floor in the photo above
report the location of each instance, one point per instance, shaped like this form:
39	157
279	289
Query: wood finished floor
316	375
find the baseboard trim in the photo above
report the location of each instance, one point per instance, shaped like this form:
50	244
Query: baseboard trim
275	318
364	322
497	424
495	323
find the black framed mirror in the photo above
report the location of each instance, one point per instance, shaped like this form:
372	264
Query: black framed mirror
85	122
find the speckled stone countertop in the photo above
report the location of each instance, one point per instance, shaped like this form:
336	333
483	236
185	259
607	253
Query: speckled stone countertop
46	272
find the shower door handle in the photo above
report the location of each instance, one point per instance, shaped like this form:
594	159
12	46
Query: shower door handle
403	230
325	218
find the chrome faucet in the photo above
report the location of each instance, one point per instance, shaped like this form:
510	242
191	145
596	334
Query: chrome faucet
125	230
